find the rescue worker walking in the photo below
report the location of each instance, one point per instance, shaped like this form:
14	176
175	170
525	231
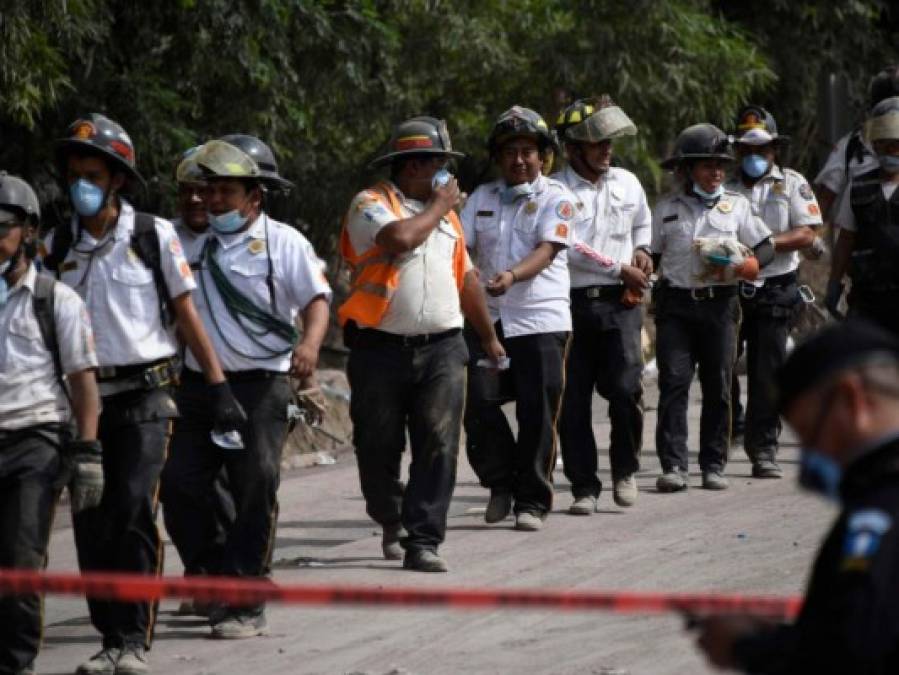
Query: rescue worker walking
609	268
520	227
411	284
130	270
868	244
48	414
839	391
258	285
706	239
783	199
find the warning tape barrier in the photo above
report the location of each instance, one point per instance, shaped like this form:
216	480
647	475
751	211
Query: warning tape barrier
237	591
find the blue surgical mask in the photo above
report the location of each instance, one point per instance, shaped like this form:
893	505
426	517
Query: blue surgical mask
755	166
87	198
513	192
4	285
889	163
227	223
819	473
708	197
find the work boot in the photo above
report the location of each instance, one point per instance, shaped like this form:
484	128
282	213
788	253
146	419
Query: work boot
239	627
766	468
625	491
423	560
713	480
528	522
133	661
101	663
583	506
390	541
674	480
499	507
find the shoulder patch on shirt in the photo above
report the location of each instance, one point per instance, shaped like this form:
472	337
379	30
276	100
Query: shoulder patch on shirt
670	219
805	191
814	210
184	269
864	530
565	210
561	230
256	246
484	214
725	206
175	246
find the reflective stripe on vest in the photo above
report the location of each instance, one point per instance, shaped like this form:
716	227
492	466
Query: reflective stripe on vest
374	275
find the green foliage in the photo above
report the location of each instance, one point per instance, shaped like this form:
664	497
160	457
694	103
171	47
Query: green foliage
323	81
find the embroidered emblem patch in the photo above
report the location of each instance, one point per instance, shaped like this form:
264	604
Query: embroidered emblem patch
256	246
531	207
814	210
562	230
725	207
565	210
806	191
864	530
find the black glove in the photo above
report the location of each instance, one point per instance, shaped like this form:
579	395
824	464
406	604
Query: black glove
229	414
832	298
85	480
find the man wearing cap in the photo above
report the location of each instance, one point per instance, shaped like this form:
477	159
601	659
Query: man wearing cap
783	199
259	284
868	244
839	392
411	285
130	270
609	266
520	227
48	426
706	238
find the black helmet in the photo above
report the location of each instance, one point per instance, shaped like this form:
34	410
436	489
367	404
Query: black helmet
593	120
756	126
518	121
883	85
420	135
16	196
264	158
100	134
700	141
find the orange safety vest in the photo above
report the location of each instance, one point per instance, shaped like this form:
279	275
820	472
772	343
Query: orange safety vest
375	274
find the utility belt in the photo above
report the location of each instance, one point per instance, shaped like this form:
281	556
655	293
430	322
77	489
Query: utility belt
235	376
605	292
701	294
114	380
748	290
353	336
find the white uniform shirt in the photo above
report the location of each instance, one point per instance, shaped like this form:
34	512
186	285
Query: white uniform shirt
679	219
120	292
426	299
612	218
192	242
846	215
244	257
30	393
784	200
504	234
833	174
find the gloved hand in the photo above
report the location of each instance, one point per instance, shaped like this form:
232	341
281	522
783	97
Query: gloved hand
85	481
832	298
228	414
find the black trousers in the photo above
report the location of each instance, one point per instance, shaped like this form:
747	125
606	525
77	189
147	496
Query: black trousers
419	389
691	333
120	534
535	381
877	306
254	473
29	466
764	330
605	355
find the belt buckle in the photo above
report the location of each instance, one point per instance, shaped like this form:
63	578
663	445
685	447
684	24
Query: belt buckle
157	376
593	292
703	293
746	292
106	372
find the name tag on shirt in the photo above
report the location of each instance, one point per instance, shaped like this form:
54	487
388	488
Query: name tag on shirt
485	214
670	219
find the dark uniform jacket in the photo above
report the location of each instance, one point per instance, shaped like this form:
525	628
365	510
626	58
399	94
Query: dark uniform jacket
849	624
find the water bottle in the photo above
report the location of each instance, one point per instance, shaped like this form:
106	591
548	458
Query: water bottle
441	178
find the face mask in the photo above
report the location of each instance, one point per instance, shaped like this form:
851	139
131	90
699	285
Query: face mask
513	192
227	223
708	197
755	166
87	198
889	163
819	473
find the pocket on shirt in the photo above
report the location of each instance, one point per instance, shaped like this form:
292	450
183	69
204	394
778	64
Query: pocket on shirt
776	215
135	285
524	238
249	277
24	350
722	224
444	240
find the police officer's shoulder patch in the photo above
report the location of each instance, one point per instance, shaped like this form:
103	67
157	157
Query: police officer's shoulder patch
565	209
805	190
864	530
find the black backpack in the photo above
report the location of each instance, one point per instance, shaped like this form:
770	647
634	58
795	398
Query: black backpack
44	311
144	242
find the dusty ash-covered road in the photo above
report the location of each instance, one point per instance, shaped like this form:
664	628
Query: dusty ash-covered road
759	536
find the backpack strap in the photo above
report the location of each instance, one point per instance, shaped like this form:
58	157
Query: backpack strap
62	242
44	311
145	242
855	149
